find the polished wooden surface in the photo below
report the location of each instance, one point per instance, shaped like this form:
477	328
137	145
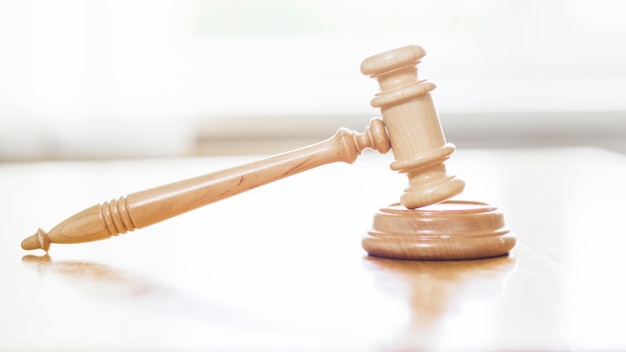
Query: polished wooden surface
281	267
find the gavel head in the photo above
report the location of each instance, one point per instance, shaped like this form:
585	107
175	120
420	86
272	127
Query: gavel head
417	140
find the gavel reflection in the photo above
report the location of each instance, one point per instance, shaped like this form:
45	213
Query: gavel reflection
409	124
438	296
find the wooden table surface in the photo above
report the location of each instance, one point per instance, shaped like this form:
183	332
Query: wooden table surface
281	267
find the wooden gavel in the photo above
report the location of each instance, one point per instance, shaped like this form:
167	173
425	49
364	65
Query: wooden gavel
410	126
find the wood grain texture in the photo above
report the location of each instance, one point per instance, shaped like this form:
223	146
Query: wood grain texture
449	230
141	209
417	139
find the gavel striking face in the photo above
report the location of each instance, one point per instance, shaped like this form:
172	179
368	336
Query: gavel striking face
410	126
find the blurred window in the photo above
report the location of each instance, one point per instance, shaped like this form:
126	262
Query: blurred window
140	77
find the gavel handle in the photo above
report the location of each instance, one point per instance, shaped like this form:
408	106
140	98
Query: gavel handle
140	209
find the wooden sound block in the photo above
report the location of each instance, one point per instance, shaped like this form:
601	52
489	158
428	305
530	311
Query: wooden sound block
450	230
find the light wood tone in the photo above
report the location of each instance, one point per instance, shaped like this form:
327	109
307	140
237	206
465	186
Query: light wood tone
261	272
426	230
417	140
443	231
420	150
148	207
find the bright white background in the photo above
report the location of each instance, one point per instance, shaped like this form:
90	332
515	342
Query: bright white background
141	78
